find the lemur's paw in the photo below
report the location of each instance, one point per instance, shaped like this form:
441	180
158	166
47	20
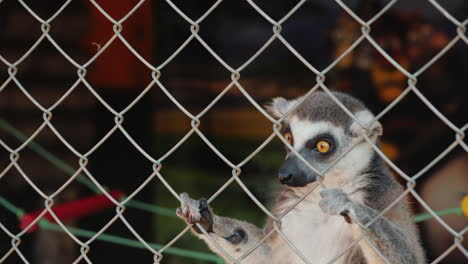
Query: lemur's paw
335	202
195	211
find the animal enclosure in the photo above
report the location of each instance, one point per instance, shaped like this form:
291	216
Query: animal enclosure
107	116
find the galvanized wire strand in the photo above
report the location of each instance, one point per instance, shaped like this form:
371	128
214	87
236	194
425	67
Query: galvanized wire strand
459	240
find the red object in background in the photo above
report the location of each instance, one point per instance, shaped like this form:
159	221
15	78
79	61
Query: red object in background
117	67
73	210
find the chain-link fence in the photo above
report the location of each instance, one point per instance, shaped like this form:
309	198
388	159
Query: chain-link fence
121	202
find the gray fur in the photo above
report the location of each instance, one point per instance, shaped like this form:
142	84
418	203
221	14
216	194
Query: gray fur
360	187
319	106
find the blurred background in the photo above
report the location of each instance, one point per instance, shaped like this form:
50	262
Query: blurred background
412	32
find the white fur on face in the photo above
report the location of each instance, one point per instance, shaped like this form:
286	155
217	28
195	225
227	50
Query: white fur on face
349	165
304	130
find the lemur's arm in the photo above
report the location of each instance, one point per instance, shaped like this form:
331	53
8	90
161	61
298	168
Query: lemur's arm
397	243
234	236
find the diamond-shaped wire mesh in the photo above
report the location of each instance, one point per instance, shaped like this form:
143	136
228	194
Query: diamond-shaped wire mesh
195	26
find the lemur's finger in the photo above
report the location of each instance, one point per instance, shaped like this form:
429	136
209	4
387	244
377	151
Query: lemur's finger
180	213
203	204
335	202
185	199
195	211
191	210
206	219
346	216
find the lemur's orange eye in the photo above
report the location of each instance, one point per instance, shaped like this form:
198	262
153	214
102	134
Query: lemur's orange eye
322	146
288	137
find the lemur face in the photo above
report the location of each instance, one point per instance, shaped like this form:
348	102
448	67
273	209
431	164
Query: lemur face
320	131
318	143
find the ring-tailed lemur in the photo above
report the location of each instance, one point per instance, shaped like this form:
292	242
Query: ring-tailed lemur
361	186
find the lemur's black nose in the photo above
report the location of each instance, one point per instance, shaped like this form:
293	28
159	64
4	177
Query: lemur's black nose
284	177
293	175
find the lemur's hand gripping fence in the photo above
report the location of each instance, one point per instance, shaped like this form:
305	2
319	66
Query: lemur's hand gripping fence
195	26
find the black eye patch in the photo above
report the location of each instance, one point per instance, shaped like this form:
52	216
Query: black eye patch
312	143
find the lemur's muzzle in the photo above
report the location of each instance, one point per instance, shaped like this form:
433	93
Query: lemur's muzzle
294	173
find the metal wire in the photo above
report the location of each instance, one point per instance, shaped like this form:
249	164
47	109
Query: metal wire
194	25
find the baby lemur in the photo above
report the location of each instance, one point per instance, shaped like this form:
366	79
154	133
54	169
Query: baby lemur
359	187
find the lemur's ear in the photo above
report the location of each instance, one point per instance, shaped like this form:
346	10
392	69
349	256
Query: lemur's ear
280	106
365	117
